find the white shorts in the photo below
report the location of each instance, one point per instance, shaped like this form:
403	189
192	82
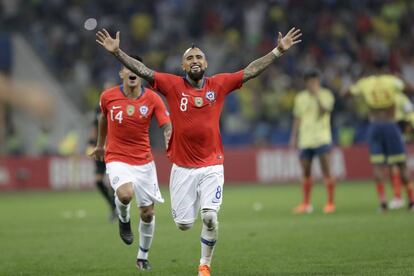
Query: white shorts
143	178
192	188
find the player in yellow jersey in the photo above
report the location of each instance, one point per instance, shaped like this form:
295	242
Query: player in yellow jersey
311	133
386	145
403	116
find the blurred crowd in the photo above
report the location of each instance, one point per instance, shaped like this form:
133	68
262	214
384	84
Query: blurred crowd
343	39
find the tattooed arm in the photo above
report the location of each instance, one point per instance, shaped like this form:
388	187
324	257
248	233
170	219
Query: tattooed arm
167	130
112	46
135	66
283	44
258	66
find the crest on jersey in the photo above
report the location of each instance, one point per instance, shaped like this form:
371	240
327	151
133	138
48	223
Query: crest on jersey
211	96
198	101
130	110
143	109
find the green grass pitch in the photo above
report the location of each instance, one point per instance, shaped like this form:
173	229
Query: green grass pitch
67	233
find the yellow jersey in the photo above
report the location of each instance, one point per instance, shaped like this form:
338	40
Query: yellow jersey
315	126
378	91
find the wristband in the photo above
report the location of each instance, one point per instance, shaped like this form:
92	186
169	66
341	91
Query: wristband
277	52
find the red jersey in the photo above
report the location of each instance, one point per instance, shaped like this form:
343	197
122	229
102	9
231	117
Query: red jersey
195	113
128	124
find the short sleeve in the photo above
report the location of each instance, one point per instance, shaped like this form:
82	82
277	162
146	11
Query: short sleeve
164	82
229	81
161	113
102	104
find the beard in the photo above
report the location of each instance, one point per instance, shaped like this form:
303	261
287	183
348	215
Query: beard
195	76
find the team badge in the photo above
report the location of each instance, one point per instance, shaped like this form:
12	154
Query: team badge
130	110
143	110
211	96
198	101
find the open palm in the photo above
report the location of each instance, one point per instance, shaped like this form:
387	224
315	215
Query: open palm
290	39
105	39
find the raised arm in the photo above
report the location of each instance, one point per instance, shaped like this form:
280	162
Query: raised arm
112	46
283	44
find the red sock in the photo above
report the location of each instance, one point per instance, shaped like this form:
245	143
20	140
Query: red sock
306	186
410	192
330	189
396	184
381	192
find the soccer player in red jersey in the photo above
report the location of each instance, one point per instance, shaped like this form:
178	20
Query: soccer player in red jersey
123	141
195	148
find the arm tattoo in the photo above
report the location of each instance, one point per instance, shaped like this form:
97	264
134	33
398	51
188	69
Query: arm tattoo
167	129
135	66
258	66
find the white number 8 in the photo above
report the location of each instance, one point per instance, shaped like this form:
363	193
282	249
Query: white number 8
183	104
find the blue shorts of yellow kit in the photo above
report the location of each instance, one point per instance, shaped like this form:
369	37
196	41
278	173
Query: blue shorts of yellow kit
385	142
310	153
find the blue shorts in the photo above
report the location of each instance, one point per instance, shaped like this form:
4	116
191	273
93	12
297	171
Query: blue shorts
385	142
309	153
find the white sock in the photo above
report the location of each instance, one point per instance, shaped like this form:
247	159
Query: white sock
123	210
146	232
208	241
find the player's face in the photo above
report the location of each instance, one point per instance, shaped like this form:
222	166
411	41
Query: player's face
129	78
194	63
313	84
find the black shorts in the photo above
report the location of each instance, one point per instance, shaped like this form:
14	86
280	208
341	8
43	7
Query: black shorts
100	167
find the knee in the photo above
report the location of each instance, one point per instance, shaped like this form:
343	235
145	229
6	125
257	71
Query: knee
147	214
209	219
125	196
184	227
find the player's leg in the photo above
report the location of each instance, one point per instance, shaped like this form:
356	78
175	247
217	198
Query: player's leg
324	155
105	191
121	181
185	202
396	156
306	157
405	179
146	233
397	201
211	196
147	193
377	136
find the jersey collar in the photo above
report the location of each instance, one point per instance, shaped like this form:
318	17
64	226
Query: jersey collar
121	87
189	83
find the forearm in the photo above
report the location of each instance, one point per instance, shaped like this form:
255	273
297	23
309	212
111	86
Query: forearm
295	128
167	130
256	67
102	131
134	65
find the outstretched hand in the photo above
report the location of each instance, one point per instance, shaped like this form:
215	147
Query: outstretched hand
105	39
290	39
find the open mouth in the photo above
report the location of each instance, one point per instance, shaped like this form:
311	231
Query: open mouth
132	78
195	67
